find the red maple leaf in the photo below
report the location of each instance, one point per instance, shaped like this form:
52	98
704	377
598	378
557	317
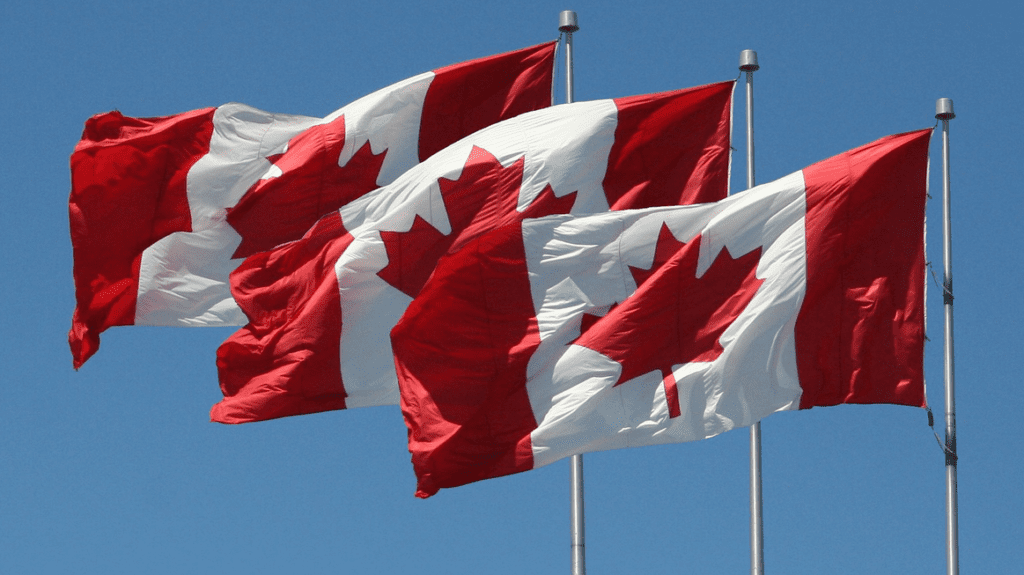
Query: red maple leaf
278	210
674	317
483	198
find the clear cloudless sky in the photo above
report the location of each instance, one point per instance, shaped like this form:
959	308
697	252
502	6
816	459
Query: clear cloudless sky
117	469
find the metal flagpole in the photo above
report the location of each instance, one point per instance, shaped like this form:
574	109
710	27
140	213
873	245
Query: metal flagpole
748	64
567	23
944	112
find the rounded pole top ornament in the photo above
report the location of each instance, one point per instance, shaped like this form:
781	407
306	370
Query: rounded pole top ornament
567	22
944	109
748	61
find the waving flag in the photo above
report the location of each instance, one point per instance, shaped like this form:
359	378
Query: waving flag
568	335
163	209
321	309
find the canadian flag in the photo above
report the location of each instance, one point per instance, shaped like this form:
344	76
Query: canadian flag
163	209
321	309
566	335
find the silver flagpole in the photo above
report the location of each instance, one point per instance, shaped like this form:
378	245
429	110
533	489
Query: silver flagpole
748	64
944	112
567	23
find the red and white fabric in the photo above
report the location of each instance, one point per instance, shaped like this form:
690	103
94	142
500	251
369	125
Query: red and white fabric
321	309
567	335
163	209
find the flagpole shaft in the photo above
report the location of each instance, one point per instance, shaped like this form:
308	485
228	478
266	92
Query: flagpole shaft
756	519
569	29
748	64
944	112
567	23
579	564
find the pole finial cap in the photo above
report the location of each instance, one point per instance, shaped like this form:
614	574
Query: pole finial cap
944	109
567	22
748	61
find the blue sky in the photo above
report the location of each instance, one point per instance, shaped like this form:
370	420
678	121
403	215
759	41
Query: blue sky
117	469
